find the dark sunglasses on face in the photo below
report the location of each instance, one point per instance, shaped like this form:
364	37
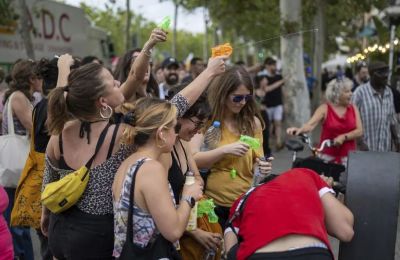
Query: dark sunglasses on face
382	72
197	124
239	98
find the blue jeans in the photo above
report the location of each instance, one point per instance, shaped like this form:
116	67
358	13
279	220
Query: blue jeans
21	236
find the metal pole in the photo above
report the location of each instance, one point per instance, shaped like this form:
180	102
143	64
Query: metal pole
128	25
205	40
391	53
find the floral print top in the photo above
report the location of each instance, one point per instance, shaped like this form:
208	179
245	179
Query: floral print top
144	227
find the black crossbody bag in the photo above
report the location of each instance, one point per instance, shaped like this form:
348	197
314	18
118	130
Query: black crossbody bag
161	248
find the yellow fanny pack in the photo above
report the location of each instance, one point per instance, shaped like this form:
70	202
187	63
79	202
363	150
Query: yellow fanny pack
60	195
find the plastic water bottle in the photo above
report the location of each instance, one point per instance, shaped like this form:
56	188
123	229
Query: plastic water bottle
192	223
212	136
257	175
209	255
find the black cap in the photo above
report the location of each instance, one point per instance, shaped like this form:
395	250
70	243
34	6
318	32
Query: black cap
377	65
168	62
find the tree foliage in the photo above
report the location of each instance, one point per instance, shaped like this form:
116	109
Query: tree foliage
260	20
113	20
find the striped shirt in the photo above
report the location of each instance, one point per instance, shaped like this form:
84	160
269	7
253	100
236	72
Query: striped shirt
377	115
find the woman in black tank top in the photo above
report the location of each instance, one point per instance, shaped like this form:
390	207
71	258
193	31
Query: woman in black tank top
181	162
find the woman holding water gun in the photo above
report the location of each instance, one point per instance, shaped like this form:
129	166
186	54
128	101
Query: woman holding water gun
231	162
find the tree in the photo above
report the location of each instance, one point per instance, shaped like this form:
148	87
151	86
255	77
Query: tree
25	29
113	20
297	102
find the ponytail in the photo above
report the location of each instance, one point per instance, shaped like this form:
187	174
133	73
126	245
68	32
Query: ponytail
57	110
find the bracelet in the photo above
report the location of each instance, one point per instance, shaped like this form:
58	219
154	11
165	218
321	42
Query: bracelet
147	52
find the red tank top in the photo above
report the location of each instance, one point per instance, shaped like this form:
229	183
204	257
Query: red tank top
334	126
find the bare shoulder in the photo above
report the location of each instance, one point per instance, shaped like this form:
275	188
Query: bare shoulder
19	99
52	149
257	122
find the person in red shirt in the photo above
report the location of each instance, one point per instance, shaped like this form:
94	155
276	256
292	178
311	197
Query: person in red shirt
341	121
288	217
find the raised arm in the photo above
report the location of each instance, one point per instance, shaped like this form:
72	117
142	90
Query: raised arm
140	66
64	64
193	91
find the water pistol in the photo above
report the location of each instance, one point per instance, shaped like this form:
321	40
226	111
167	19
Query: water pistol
165	23
207	206
254	143
221	50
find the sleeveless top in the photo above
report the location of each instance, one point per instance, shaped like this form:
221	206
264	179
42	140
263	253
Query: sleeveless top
221	187
19	129
334	126
144	227
176	177
97	198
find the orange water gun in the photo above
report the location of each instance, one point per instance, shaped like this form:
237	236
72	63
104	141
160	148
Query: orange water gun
221	50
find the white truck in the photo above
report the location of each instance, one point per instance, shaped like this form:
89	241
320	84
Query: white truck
56	28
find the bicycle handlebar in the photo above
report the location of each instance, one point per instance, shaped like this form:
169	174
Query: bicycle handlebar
307	140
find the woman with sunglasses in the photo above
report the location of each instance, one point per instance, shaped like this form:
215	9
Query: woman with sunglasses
340	120
231	162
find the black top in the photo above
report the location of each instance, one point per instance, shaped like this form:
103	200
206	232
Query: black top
396	99
41	136
176	177
273	98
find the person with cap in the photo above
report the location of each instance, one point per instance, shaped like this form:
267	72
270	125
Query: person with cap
362	75
375	103
170	68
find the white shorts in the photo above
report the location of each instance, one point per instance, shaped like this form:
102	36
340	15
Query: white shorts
275	113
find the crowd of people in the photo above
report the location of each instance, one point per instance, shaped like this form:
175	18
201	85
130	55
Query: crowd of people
140	130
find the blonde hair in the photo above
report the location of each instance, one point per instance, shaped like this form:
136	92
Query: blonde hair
335	88
144	117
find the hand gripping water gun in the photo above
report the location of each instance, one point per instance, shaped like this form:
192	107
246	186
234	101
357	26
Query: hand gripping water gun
206	206
221	50
165	23
254	143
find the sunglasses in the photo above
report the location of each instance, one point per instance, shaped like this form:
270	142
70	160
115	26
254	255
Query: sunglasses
382	72
197	124
239	98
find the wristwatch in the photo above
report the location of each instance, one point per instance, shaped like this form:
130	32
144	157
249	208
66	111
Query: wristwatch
190	200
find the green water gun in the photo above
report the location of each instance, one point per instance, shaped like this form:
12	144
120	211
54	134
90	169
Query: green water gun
165	23
254	143
207	207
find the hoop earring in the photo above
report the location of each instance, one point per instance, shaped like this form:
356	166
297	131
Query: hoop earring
108	113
